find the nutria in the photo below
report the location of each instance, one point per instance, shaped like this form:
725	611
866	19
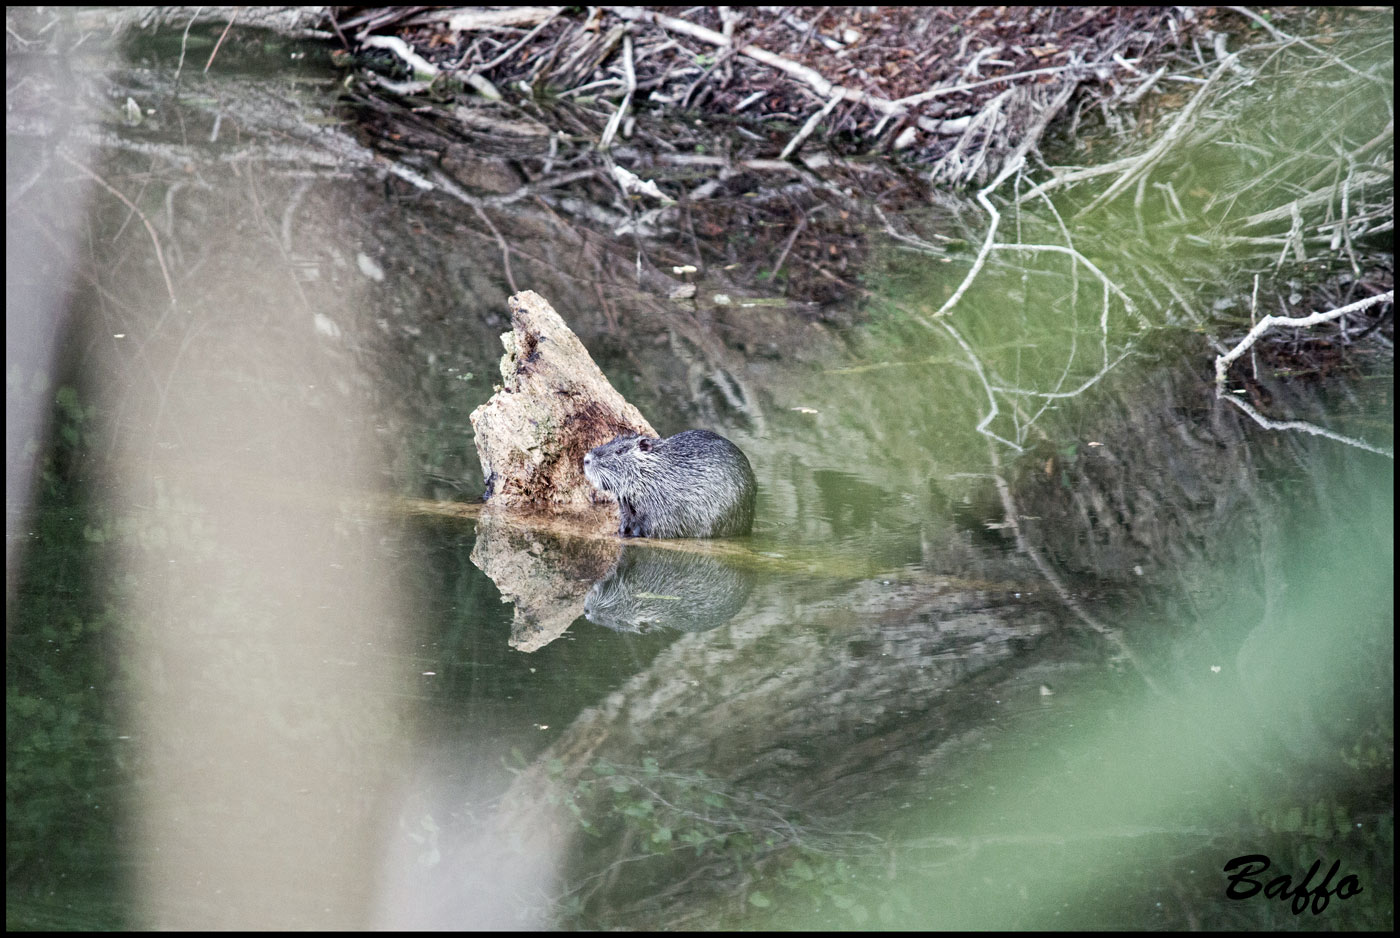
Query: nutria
693	484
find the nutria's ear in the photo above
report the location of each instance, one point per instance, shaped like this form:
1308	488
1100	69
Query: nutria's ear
644	444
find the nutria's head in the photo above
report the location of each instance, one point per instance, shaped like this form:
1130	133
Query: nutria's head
618	465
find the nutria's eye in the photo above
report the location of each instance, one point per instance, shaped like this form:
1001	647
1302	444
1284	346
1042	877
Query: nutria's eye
644	444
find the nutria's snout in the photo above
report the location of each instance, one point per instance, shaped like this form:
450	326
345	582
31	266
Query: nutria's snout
693	484
590	472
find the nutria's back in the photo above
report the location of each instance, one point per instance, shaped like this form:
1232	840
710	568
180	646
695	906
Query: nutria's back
693	484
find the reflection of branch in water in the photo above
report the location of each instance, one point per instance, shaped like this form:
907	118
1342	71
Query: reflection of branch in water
1306	427
705	813
1081	259
1352	185
155	240
1088	382
1130	168
1138	167
989	244
1012	166
1285	38
982	377
993	389
1048	396
1012	515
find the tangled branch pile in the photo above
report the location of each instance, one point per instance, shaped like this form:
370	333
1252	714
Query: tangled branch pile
767	120
951	89
788	125
764	146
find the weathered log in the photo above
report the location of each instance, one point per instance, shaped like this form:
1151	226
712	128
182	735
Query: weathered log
553	406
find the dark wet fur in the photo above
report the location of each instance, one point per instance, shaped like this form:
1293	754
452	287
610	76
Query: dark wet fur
693	484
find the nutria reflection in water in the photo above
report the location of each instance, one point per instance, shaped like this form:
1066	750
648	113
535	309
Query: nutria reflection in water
693	484
649	589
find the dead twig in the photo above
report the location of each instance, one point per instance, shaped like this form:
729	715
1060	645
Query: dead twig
150	229
504	56
1222	362
812	78
630	75
231	20
810	126
466	21
932	93
792	239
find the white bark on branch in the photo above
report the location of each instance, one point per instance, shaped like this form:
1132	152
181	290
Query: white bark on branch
1222	362
824	88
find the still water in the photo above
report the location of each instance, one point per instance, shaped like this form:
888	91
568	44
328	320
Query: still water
1032	631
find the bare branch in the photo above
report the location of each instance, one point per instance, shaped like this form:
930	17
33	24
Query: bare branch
1222	362
155	240
810	126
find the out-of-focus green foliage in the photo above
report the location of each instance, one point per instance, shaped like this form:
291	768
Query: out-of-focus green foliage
62	751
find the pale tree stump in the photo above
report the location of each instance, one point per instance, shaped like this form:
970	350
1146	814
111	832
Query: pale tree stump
553	406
